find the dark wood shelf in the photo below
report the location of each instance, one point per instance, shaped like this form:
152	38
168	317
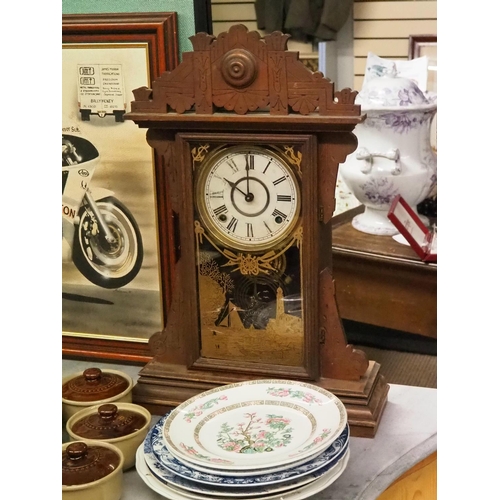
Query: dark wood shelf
382	282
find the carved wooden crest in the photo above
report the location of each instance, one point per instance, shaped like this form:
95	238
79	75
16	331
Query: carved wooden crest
241	71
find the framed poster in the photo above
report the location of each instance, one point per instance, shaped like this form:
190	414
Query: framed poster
118	244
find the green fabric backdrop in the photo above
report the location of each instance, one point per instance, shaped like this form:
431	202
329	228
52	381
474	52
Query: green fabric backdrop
184	9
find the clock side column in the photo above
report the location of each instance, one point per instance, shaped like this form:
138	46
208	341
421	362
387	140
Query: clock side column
167	346
338	360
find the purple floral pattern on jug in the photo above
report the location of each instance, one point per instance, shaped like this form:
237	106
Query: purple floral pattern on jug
379	191
409	96
401	123
386	96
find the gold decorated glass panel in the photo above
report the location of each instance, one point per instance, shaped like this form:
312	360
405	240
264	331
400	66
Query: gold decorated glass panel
248	233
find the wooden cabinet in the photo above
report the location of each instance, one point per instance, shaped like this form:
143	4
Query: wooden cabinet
382	282
420	482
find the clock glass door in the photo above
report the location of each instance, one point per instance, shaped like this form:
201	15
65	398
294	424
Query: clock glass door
248	231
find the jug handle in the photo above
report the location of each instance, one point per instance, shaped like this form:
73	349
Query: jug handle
367	157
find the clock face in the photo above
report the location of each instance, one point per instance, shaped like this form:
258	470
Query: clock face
248	197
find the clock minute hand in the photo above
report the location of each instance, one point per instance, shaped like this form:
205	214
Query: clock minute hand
247	168
234	186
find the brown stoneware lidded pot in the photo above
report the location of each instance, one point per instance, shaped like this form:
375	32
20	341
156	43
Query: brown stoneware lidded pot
93	387
124	425
91	470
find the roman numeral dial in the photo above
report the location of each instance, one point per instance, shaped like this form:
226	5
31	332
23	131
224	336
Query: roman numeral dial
248	197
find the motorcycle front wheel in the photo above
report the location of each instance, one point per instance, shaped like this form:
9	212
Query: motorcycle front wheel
108	264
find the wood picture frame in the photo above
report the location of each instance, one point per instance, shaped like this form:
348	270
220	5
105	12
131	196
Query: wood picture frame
152	39
203	16
425	45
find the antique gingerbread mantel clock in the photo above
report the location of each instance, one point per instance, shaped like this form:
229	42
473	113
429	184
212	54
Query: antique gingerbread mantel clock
250	142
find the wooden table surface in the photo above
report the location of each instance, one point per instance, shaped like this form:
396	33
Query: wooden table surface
345	237
382	282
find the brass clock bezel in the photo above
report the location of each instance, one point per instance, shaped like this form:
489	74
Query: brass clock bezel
222	238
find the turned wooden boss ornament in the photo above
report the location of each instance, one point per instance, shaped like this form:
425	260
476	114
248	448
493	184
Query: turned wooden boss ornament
251	141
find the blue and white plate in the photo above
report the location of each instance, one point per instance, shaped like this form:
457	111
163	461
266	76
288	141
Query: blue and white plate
156	451
168	478
172	492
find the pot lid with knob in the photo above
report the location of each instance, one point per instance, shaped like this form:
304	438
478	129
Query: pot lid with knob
83	462
391	92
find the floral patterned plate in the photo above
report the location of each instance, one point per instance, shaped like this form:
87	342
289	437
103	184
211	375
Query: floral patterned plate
254	425
164	454
300	493
170	479
158	457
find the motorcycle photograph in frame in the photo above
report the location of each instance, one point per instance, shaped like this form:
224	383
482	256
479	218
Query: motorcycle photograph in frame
103	237
111	273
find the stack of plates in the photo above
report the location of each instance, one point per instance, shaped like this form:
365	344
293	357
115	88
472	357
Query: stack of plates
263	439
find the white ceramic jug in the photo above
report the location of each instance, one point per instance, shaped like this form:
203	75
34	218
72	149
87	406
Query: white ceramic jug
394	154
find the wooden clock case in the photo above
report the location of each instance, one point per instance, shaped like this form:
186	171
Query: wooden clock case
244	88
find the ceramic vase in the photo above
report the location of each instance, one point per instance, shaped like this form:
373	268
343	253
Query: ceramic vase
394	154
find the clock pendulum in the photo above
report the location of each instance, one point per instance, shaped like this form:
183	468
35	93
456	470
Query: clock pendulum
250	141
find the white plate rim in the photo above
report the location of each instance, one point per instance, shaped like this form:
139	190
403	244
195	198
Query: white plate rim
300	493
270	488
251	474
318	444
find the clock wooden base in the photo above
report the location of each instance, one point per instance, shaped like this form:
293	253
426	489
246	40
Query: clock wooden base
162	387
